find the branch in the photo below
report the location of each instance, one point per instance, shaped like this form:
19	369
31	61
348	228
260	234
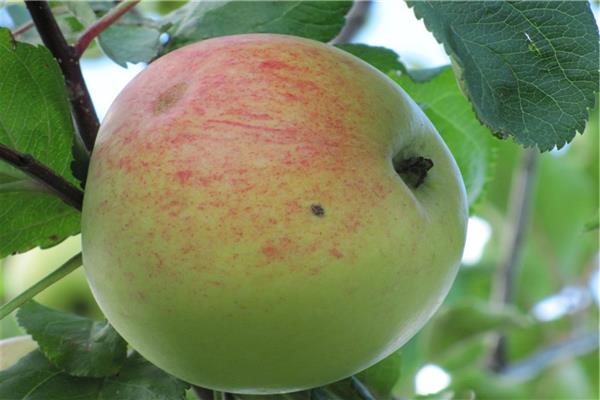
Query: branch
44	175
84	114
534	364
71	265
99	26
518	220
355	20
22	29
362	391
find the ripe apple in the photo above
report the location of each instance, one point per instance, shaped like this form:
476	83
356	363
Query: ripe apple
245	227
71	293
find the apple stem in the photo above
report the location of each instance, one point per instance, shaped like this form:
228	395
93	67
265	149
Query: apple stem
71	265
413	170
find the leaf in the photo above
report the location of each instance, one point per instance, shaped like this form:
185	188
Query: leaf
35	378
530	68
35	119
80	346
132	38
81	10
383	376
318	20
383	59
139	379
450	112
464	321
125	43
15	181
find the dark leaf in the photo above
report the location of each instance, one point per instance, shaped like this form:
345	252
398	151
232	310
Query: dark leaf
125	43
35	378
383	59
80	346
34	119
530	68
319	20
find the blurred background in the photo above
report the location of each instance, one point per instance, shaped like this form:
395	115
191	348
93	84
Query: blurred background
547	336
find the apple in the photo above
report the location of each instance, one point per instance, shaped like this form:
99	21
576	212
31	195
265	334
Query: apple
12	349
71	293
266	213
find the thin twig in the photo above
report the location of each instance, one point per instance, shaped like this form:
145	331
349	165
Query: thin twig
531	366
22	29
82	107
71	265
44	175
355	20
361	389
99	26
518	220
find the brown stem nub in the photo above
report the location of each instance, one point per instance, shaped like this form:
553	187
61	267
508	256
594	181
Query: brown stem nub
41	173
413	170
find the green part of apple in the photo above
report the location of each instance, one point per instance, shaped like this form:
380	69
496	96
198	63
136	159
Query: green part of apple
12	349
71	293
244	227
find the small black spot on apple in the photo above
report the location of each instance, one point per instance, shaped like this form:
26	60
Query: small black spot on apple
317	210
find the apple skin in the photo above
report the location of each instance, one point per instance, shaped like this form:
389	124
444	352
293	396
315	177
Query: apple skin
71	293
243	226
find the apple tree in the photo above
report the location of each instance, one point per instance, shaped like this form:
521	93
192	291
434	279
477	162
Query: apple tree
517	109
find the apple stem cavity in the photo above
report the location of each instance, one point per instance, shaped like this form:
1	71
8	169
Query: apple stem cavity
413	170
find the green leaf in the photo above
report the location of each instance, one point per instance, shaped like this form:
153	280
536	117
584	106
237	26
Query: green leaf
464	321
81	10
34	119
319	20
125	43
132	38
80	346
452	115
530	68
16	181
383	376
139	379
35	378
383	59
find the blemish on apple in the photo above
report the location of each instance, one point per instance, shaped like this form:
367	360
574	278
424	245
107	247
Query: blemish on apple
317	210
168	98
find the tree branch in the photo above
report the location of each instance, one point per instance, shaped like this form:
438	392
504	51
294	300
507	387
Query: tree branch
84	114
44	175
355	20
514	239
99	26
531	366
